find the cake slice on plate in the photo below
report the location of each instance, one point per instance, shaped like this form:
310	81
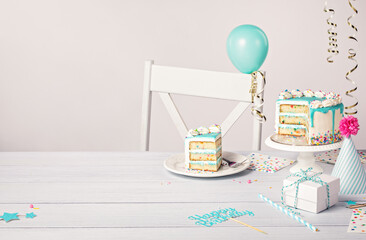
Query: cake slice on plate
203	149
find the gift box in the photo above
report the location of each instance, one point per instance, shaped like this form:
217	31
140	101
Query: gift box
311	196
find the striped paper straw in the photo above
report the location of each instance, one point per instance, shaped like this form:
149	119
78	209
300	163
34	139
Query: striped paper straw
288	213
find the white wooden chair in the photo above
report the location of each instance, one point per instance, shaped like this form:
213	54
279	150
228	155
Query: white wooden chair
167	80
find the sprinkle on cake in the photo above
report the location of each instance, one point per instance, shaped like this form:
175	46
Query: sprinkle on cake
203	148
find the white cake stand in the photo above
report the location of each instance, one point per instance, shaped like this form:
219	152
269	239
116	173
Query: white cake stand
306	157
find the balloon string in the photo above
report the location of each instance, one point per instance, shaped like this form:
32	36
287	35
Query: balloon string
258	94
333	45
351	110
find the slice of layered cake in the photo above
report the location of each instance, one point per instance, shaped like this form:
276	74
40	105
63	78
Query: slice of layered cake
203	149
314	116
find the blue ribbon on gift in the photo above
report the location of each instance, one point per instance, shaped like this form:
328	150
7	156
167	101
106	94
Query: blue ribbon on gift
303	177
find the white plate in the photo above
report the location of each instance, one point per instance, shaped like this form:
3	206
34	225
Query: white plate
176	165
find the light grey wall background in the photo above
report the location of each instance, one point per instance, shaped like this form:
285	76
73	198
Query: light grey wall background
71	71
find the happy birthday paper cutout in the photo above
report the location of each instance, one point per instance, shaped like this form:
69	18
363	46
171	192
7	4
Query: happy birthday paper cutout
266	163
218	216
358	221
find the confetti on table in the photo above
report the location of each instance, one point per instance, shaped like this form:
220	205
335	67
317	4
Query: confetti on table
265	163
30	215
31	206
358	221
331	156
7	217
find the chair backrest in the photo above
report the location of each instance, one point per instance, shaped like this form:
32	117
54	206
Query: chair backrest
166	80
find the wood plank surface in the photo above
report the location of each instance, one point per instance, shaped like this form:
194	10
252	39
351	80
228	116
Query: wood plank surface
131	196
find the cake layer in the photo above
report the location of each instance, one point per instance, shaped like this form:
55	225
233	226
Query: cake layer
294	130
204	144
205	165
294	120
290	108
204	156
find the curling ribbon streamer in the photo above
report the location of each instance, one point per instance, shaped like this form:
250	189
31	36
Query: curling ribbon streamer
351	110
333	45
258	95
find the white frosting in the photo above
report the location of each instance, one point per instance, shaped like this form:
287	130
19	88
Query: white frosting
330	95
296	93
338	99
316	104
329	102
203	130
308	93
319	94
192	133
285	95
215	128
332	99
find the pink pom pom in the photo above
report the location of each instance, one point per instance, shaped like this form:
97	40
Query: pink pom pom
349	125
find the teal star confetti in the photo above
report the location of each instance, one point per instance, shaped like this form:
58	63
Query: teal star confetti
9	216
351	203
30	215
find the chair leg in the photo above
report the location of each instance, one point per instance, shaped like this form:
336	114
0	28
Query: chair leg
257	135
146	108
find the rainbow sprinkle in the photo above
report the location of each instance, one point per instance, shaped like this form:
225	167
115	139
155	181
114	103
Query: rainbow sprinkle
327	138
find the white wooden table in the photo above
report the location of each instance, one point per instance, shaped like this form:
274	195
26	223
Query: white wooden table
131	196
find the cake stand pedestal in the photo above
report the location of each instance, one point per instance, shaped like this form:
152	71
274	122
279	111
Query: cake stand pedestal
306	157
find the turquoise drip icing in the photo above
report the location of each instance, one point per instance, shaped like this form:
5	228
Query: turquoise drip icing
325	110
295	127
208	136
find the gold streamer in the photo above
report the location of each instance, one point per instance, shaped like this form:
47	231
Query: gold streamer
257	94
333	45
351	56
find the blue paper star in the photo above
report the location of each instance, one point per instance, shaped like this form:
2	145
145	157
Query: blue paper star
30	215
351	203
9	216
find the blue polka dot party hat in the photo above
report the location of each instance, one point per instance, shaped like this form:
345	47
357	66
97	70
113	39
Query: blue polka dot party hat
348	166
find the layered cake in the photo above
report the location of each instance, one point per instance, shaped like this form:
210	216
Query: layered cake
312	115
203	148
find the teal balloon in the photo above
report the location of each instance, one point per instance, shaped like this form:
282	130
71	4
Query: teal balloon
247	48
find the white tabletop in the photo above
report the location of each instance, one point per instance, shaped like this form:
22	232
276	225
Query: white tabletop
131	196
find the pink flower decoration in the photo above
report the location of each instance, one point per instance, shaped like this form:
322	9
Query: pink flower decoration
349	125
